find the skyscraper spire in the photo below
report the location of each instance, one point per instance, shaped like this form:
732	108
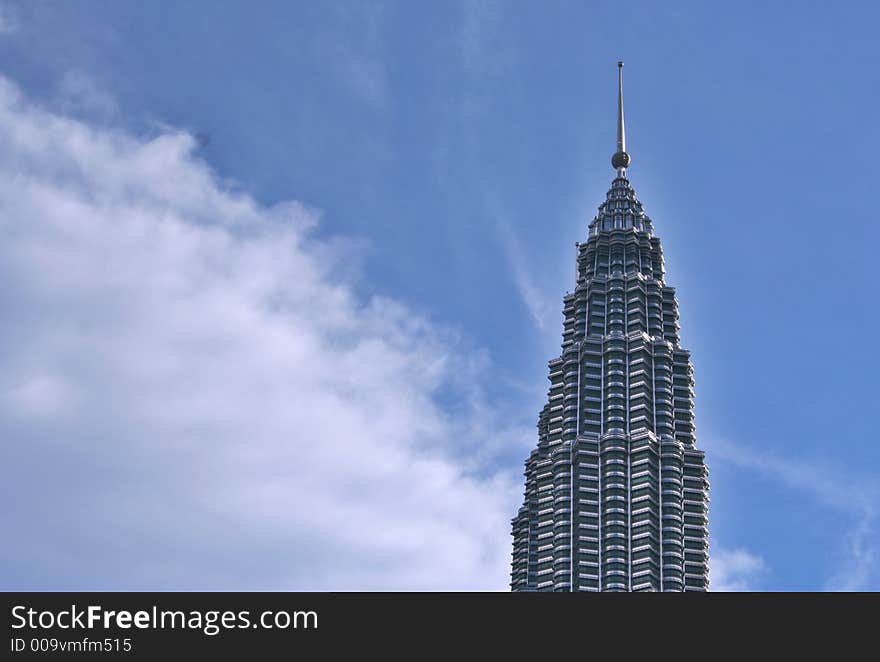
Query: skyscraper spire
620	161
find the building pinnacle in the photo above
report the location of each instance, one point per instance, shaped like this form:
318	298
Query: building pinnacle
621	160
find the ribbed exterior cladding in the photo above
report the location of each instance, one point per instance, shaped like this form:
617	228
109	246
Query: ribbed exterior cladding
616	492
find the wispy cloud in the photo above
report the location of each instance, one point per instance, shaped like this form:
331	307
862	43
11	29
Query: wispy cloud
81	95
855	497
862	549
544	314
485	55
8	20
358	60
483	49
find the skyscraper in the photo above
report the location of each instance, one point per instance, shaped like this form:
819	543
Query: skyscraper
616	491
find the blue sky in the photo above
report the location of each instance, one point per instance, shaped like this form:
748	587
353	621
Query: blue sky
444	158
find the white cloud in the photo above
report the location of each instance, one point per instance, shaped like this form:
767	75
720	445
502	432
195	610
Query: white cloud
734	570
192	396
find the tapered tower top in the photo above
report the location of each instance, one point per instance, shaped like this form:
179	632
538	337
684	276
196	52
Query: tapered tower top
621	160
